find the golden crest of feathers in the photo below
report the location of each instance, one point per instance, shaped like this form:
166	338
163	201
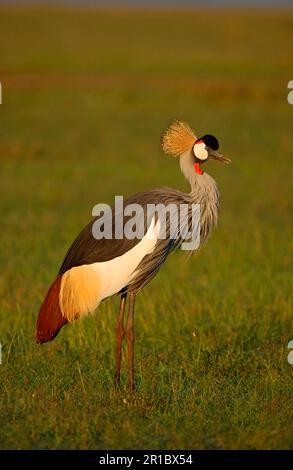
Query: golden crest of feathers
178	138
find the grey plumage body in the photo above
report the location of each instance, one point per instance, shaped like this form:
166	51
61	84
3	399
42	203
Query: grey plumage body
86	249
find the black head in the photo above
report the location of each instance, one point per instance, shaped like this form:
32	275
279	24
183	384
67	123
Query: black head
210	141
206	147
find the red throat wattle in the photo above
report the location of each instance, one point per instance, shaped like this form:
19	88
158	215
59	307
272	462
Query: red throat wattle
198	168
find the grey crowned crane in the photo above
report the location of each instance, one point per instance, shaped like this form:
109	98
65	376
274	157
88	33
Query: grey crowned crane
95	269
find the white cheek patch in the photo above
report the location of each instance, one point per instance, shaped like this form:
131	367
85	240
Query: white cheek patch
199	150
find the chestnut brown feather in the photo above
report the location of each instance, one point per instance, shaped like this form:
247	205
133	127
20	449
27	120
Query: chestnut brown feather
50	318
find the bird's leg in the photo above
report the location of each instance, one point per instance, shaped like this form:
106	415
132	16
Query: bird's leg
130	341
120	333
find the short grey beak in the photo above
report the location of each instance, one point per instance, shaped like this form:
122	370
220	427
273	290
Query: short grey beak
218	156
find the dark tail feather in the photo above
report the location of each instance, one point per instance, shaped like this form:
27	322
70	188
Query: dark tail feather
50	318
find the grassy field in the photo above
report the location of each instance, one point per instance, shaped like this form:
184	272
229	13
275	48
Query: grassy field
86	95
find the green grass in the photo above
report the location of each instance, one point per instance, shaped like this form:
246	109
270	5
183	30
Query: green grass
86	95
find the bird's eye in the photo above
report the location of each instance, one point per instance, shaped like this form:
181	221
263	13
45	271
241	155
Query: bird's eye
206	148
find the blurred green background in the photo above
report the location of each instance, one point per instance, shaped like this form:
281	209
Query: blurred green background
87	93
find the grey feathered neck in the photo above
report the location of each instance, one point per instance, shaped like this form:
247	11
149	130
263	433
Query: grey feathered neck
204	191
